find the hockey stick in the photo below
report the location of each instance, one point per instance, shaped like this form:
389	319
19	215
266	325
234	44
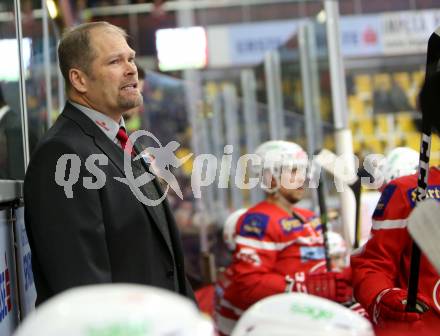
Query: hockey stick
323	216
424	228
328	160
432	58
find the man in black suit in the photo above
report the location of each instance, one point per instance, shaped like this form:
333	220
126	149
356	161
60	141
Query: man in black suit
85	227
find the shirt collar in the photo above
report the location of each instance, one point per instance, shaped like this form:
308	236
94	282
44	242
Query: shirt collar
104	123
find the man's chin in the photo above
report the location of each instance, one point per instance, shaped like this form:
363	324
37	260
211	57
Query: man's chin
297	197
131	103
128	114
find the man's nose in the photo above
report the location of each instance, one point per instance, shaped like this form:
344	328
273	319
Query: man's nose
131	68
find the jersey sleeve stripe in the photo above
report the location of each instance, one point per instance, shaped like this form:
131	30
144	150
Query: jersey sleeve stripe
262	245
272	246
390	224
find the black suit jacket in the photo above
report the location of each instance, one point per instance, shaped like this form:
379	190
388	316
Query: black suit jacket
97	236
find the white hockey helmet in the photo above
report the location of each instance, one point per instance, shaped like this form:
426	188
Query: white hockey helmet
298	314
401	161
118	310
230	227
276	154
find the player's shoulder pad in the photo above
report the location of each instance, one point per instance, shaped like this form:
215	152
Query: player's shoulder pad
253	225
384	200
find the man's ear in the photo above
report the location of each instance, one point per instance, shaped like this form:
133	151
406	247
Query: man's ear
78	79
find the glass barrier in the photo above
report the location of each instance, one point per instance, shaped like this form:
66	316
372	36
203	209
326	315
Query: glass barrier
164	115
44	90
11	136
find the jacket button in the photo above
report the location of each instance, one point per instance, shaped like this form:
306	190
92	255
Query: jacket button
170	274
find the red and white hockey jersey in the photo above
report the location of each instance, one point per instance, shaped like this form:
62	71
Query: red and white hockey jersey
271	243
383	262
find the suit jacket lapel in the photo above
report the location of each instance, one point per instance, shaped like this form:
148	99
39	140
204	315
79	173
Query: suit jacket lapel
116	155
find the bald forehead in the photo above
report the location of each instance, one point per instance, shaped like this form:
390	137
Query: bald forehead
101	36
96	32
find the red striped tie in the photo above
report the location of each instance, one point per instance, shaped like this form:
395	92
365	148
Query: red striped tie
123	138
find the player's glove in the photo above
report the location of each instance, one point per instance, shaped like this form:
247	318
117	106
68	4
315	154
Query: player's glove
390	304
335	286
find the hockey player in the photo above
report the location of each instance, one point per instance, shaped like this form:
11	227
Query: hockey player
277	244
381	268
205	296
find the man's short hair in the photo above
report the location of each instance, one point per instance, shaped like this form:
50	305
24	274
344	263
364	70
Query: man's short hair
75	50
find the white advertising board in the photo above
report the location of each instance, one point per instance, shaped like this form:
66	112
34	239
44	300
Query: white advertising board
8	307
27	290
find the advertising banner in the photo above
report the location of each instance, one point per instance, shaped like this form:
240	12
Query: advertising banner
27	290
407	32
250	42
8	307
394	33
361	36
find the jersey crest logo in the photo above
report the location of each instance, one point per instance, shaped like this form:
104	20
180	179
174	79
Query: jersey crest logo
433	191
384	200
254	225
289	225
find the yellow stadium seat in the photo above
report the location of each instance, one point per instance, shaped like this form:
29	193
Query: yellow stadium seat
353	126
412	140
366	126
435	144
325	105
374	145
418	78
384	123
363	84
382	80
435	151
356	106
405	122
412	98
402	78
329	142
397	140
287	86
188	164
357	145
211	88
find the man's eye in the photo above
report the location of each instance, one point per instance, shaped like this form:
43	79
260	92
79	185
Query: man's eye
114	61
